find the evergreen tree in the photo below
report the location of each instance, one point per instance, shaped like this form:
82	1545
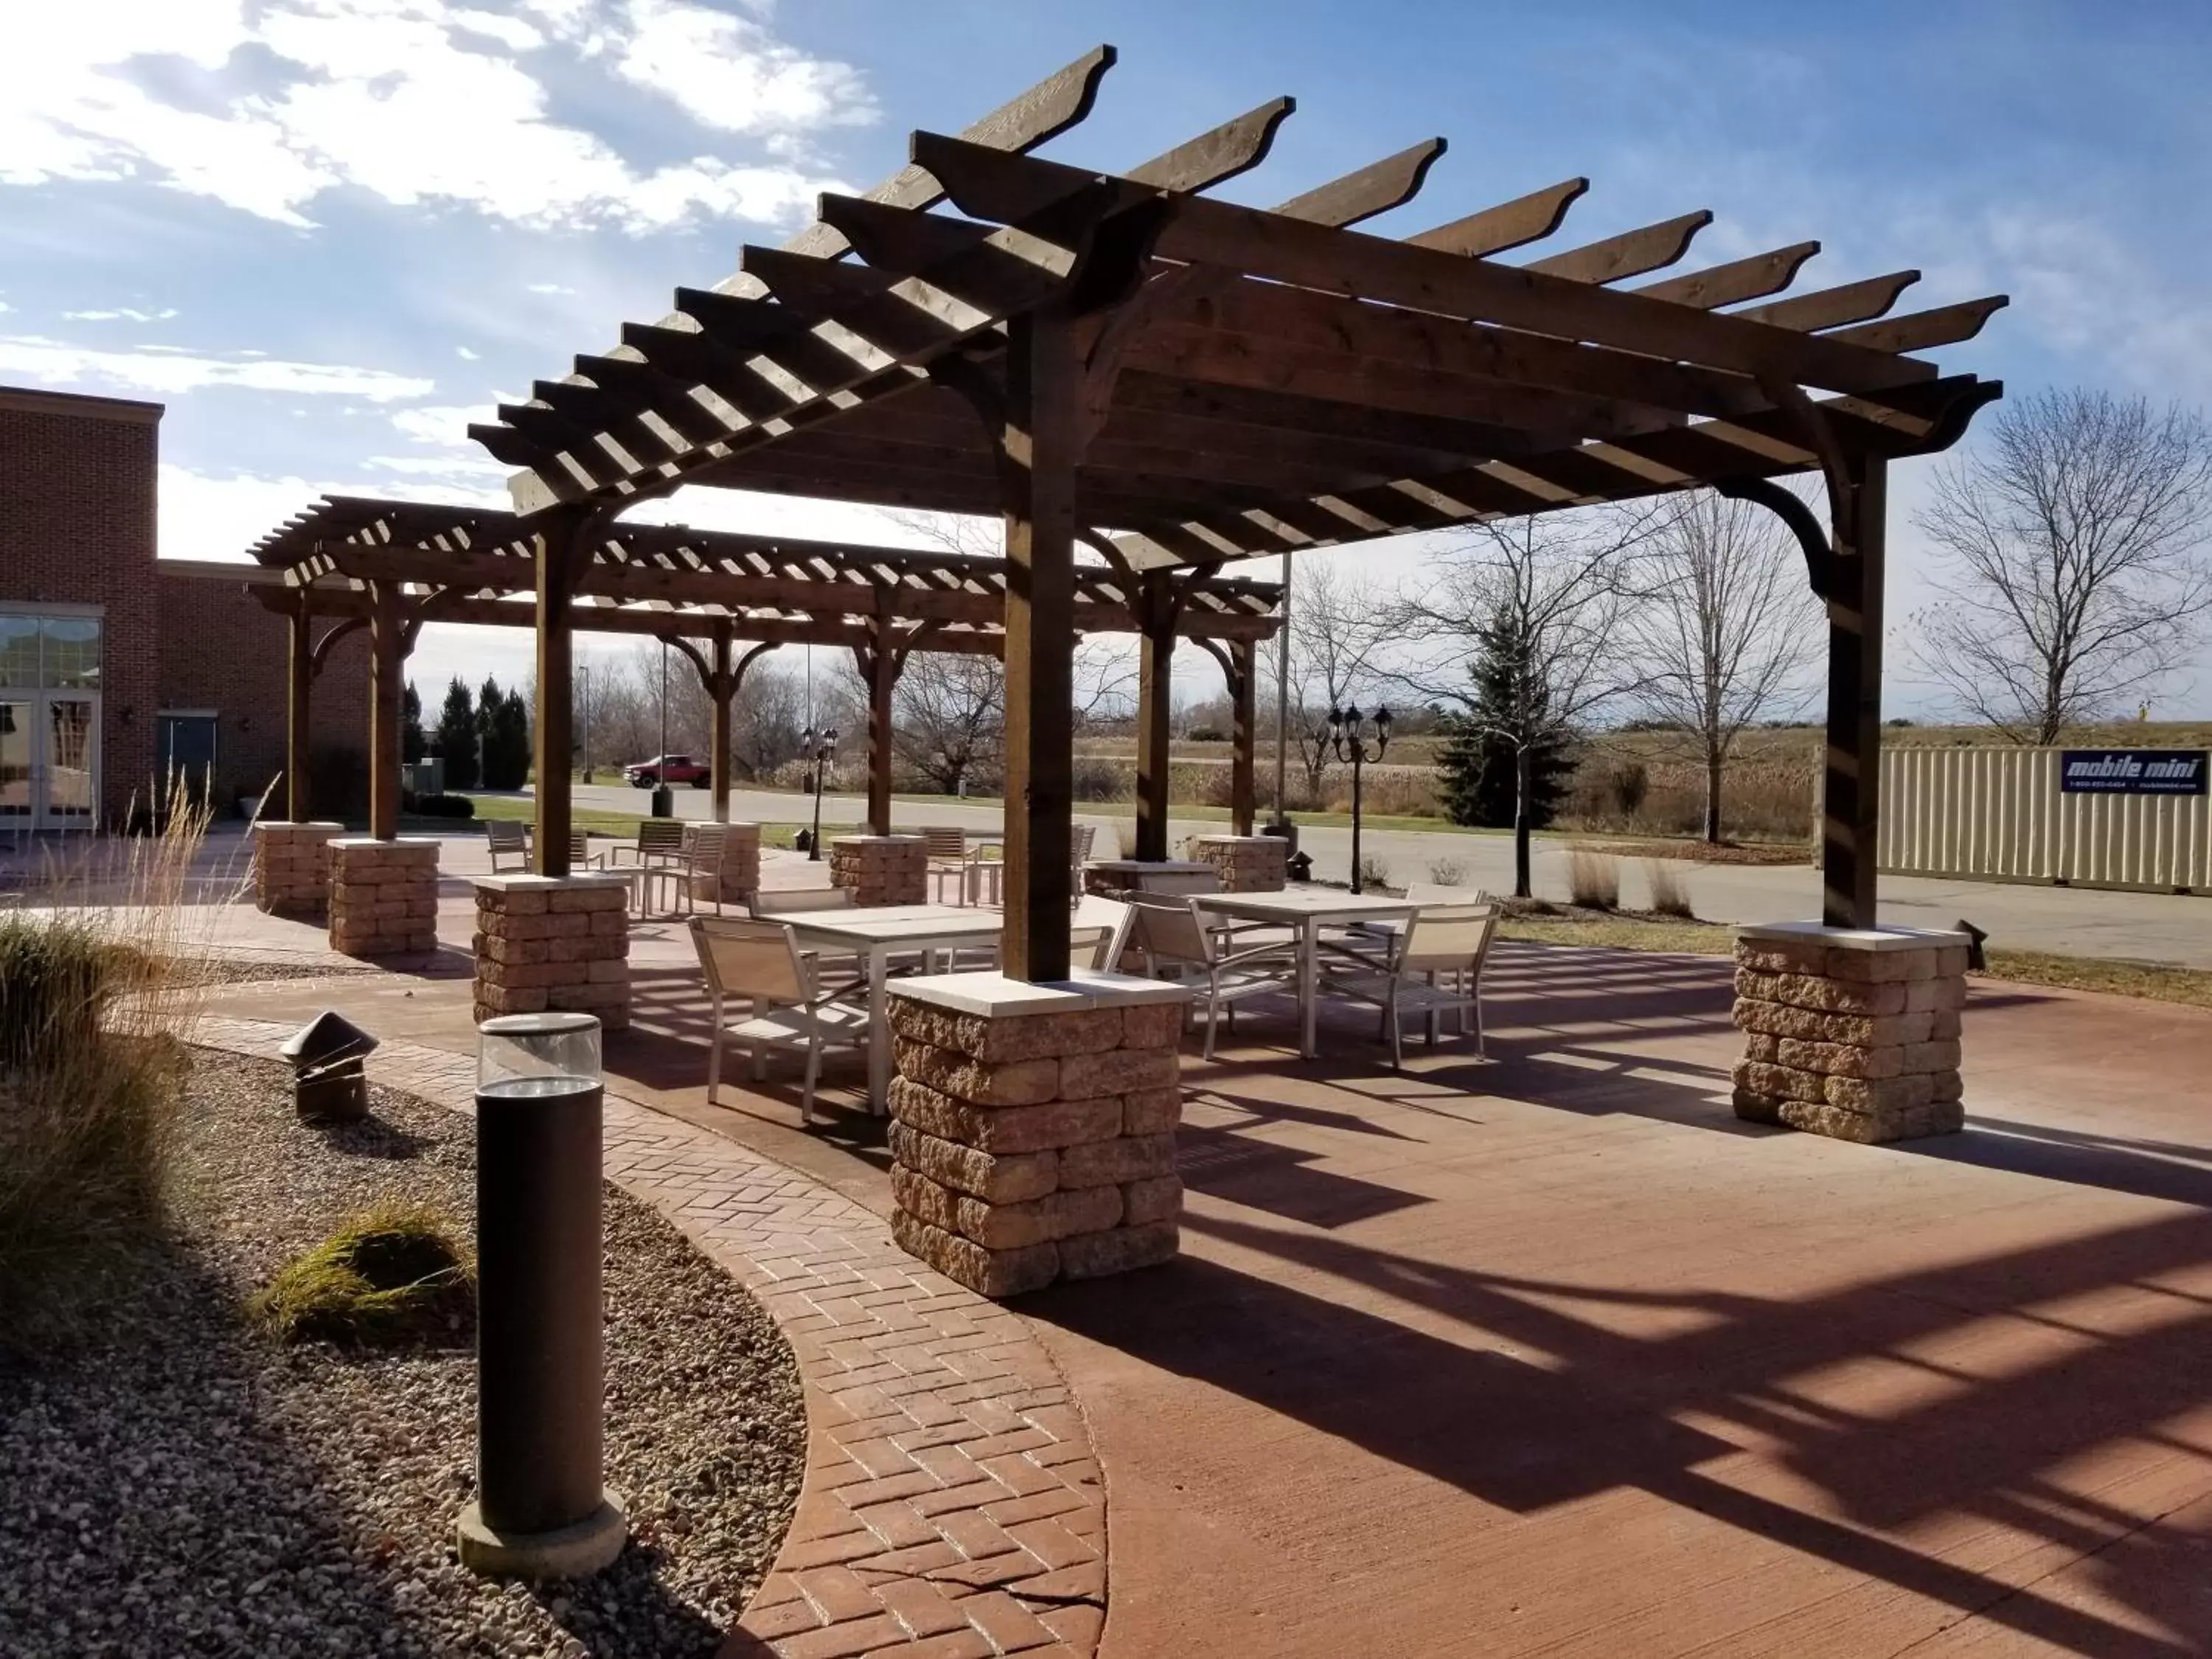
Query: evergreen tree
454	742
1479	762
411	740
504	723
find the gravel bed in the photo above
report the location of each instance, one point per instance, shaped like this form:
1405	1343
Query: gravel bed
188	1487
252	971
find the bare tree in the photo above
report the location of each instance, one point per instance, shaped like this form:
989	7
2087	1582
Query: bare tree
1520	630
2075	573
1721	629
1339	624
949	717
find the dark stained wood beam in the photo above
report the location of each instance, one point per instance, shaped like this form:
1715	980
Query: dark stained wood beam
1738	280
1511	224
988	184
1653	247
1918	331
1831	308
1234	147
1375	188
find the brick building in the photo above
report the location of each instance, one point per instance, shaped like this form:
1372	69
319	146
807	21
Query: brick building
111	665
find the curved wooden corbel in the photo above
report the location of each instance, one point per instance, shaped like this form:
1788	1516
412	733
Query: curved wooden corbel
321	653
1792	511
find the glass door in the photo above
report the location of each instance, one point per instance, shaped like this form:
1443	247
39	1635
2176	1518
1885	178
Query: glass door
70	768
19	732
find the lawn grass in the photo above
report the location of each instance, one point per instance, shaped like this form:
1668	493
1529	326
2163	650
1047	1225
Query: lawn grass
598	821
2191	988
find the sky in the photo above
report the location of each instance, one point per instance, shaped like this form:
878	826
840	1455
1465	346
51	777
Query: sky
328	234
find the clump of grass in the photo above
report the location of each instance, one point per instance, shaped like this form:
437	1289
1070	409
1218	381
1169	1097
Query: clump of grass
1447	872
392	1275
93	999
1593	880
1374	874
1670	892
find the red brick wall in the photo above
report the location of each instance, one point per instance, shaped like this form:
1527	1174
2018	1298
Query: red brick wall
76	526
220	649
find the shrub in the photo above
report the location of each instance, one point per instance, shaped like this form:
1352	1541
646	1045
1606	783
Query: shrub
1593	879
1373	873
1670	890
391	1275
1630	783
90	1081
445	806
1447	872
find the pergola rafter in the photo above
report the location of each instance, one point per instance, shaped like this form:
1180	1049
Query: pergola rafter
1126	359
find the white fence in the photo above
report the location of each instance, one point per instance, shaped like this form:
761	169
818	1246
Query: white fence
1998	814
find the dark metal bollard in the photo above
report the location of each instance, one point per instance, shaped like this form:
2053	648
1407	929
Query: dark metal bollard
541	1510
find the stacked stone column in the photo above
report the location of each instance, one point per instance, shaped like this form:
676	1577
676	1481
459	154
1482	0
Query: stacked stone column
559	943
881	869
1851	1033
1248	864
739	879
383	895
1034	1131
292	866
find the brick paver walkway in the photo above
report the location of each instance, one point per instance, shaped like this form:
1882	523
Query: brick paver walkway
953	1506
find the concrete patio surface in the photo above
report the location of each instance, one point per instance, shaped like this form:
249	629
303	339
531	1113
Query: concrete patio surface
1551	1354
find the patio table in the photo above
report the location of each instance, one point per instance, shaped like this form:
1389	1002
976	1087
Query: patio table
1305	911
876	933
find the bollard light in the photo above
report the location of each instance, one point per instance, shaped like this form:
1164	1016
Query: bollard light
541	1509
328	1085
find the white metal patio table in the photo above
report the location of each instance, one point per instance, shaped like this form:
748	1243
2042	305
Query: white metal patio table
876	933
1305	911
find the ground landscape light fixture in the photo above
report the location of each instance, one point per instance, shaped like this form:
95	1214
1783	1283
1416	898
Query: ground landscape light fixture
821	749
541	1509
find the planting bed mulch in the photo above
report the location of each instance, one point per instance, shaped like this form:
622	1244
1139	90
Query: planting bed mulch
187	1486
253	971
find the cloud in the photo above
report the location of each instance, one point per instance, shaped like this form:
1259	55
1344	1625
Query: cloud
173	370
207	515
121	314
464	354
269	107
730	73
440	423
550	288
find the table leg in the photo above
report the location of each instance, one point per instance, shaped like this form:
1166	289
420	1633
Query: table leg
879	1036
1308	934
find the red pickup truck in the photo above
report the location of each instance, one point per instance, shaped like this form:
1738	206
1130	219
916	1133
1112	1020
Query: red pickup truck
670	769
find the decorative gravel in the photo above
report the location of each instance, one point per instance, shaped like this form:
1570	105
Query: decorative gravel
189	1487
252	971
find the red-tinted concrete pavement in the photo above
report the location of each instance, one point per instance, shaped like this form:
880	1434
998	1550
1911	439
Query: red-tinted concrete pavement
1552	1355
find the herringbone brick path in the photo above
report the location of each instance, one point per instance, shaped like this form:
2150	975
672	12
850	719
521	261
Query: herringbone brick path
953	1507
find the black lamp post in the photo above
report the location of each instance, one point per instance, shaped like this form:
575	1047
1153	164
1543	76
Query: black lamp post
821	748
1348	736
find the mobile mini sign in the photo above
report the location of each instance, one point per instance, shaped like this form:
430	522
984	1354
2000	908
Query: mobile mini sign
2132	771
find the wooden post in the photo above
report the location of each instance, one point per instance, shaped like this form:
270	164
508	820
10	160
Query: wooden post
1850	800
1154	700
723	687
1244	735
299	703
1041	446
559	546
882	667
386	651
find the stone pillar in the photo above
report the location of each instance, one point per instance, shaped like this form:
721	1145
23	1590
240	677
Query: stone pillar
739	879
1850	1032
292	867
881	869
383	895
1248	864
553	942
1034	1134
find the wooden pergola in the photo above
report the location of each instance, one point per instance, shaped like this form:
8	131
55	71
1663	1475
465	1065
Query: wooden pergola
388	567
1123	359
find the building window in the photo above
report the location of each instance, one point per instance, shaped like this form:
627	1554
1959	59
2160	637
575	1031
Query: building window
58	653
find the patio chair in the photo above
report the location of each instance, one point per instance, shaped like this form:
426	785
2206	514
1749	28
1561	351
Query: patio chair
580	855
702	866
946	852
659	840
508	838
759	962
1430	966
1178	944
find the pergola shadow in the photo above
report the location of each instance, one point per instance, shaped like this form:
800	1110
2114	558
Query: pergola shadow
1612	1409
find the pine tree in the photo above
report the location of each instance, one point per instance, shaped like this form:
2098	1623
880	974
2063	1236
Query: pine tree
1478	762
454	742
411	740
504	722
